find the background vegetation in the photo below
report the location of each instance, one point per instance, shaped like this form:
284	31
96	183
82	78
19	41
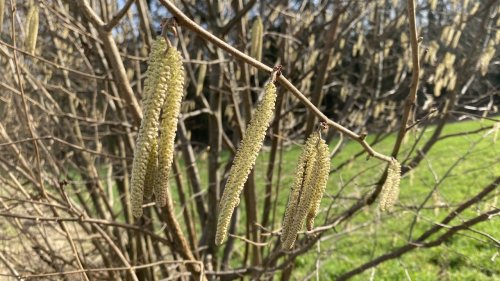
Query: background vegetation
70	110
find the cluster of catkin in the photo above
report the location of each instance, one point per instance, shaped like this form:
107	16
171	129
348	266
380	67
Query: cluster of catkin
245	160
163	92
390	190
311	176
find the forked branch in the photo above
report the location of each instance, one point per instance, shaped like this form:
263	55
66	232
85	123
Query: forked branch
185	21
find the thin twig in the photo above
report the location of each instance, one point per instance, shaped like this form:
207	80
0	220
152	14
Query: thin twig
118	16
185	21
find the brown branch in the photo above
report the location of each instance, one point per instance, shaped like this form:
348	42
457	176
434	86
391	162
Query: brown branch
183	20
118	16
322	73
413	245
33	135
119	73
410	100
225	29
57	66
30	276
438	226
89	221
72	145
117	251
180	243
192	171
473	132
186	206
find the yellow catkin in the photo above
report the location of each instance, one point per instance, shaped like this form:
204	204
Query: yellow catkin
297	198
433	5
341	43
202	72
456	39
319	181
388	47
245	160
257	38
2	11
445	34
474	8
151	169
440	69
170	116
437	87
155	89
390	190
399	70
257	33
452	81
31	29
485	59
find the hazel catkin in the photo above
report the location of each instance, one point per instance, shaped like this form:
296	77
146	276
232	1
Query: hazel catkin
245	160
390	190
155	88
320	180
257	38
170	116
2	11
202	72
300	195
31	29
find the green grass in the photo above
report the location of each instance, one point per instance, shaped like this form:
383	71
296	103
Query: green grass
467	256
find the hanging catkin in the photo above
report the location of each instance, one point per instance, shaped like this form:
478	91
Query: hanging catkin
155	89
257	38
31	29
319	183
311	176
202	72
390	190
256	41
245	160
170	116
2	11
297	194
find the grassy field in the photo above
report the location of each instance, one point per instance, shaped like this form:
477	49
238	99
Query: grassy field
457	167
465	257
